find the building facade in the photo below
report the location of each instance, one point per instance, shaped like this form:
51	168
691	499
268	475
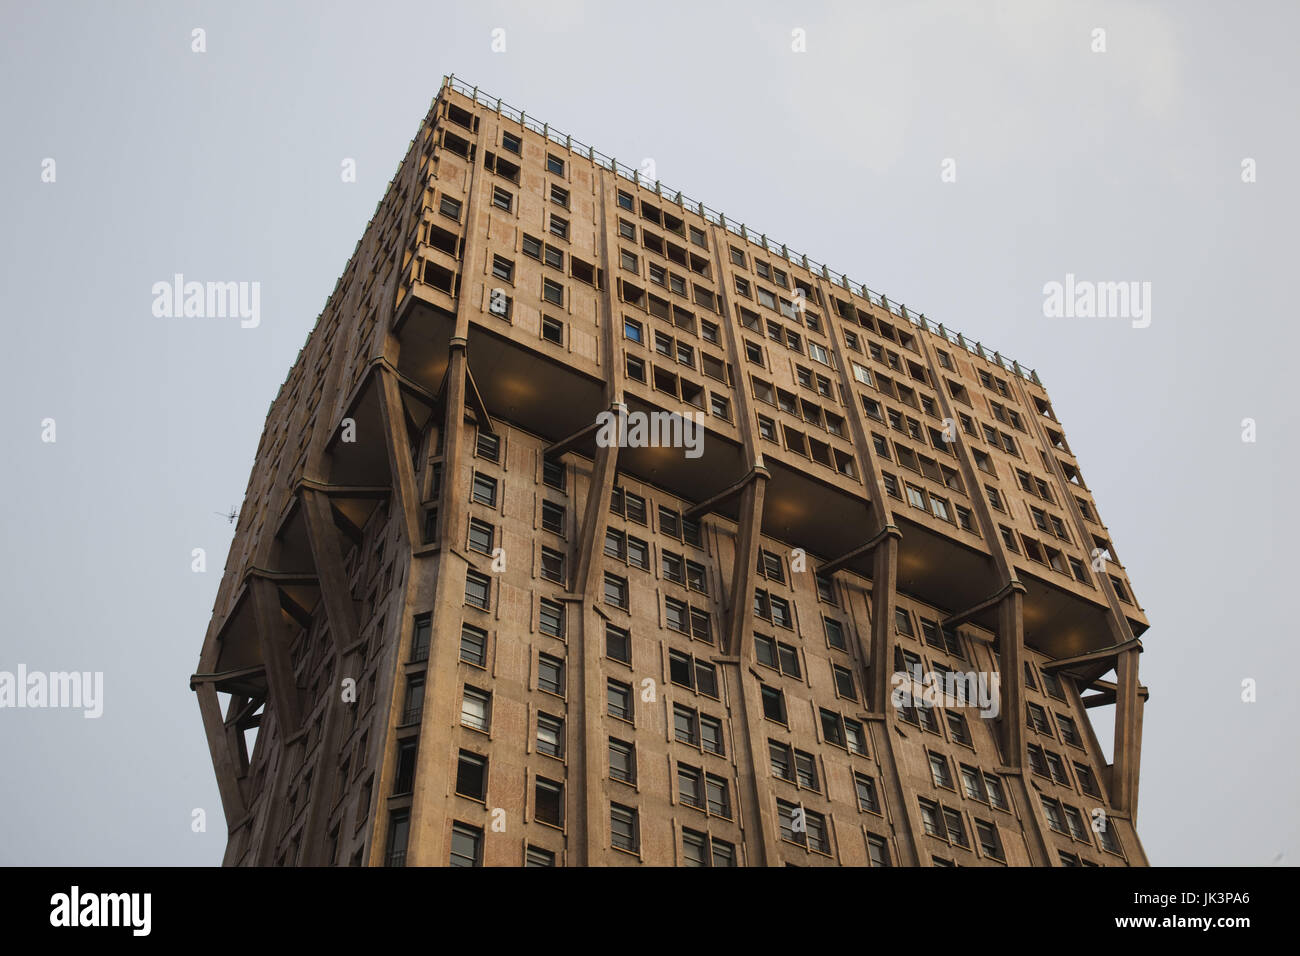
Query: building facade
458	625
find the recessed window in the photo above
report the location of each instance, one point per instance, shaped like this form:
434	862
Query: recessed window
616	591
552	330
481	536
473	645
773	704
466	845
502	199
552	565
622	760
553	517
550	735
450	207
478	590
554	164
476	708
548	802
484	490
618	643
471	776
868	799
619	698
551	618
624	828
552	292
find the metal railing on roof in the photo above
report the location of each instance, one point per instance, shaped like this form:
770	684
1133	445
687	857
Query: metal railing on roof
739	229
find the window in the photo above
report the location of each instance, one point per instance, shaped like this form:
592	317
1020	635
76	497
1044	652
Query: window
805	770
625	201
404	779
548	802
686	724
450	207
790	831
1074	820
833	728
1052	810
553	516
466	845
844	685
1087	782
1037	719
711	734
414	703
932	819
471	776
502	199
972	783
903	622
550	618
773	704
619	697
633	330
782	760
485	490
550	735
997	795
770	565
552	292
473	645
834	633
503	268
780	657
420	638
855	737
554	164
550	674
624	829
987	834
618	643
552	330
559	226
1069	732
481	536
939	770
622	760
690	788
552	565
957	727
476	708
539	857
478	589
868	799
616	590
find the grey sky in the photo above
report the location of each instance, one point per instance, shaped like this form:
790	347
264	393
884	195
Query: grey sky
1122	165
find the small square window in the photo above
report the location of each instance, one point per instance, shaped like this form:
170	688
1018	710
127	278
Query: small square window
552	330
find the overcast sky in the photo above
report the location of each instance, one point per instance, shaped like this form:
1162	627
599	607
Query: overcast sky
1122	165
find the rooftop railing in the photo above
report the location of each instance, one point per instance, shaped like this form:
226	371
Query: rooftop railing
677	197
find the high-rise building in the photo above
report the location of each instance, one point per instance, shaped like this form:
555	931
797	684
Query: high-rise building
592	527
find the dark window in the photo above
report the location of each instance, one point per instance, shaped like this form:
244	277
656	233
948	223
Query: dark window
471	776
473	645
